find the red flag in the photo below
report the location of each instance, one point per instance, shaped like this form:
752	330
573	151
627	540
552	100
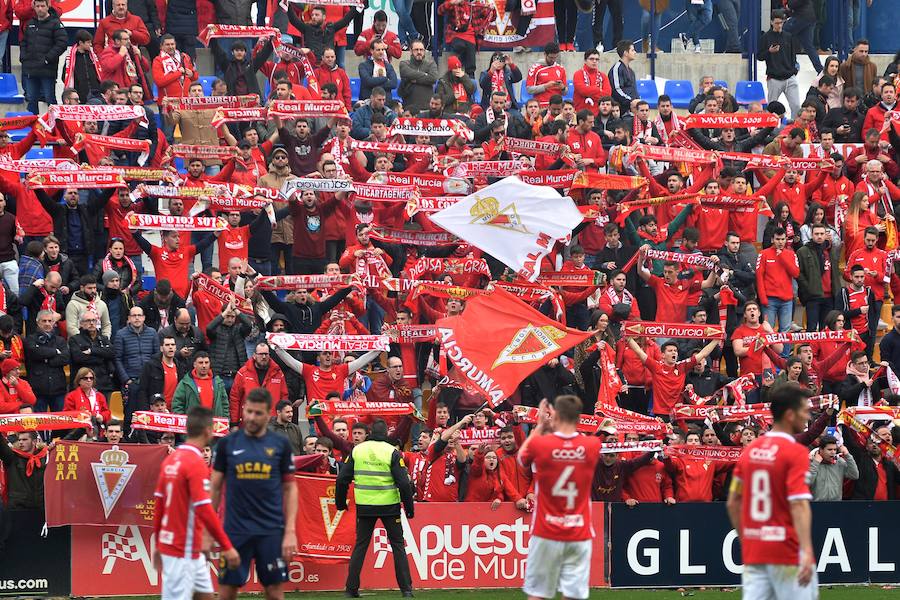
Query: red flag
610	382
89	483
521	340
323	532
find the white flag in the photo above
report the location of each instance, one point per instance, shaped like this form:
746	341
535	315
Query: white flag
513	221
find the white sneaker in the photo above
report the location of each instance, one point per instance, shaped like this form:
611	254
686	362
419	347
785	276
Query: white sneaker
882	325
600	47
697	49
684	39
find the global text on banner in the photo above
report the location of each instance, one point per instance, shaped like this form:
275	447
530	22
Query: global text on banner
89	483
513	221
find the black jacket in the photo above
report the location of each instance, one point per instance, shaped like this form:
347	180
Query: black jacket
85	79
841	116
864	488
620	256
61	213
181	17
233	69
516	127
746	144
153	380
820	102
45	356
193	339
779	65
317	39
222	338
743	269
306	318
707	381
548	382
889	348
32	299
41	46
151	311
66	269
100	359
802	9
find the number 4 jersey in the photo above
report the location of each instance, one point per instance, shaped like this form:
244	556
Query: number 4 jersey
772	472
563	467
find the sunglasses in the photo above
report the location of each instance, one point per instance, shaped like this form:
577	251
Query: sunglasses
87	378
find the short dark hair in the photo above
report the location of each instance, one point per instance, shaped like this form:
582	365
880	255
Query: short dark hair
82	35
165	37
789	396
239	46
551	48
360	425
826	439
623	47
691	234
282	404
259	395
163	287
827	80
198	419
87	280
379	430
201	354
779	231
857	268
590	53
668	343
380	15
568	408
663	98
583	114
870	230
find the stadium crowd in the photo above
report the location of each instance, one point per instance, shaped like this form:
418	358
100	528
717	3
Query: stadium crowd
82	324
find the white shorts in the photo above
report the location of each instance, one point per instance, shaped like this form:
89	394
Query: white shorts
182	577
776	582
558	566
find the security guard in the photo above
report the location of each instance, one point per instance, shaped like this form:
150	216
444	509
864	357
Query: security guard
380	481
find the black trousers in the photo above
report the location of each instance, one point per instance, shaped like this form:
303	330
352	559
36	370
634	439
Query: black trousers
616	16
365	525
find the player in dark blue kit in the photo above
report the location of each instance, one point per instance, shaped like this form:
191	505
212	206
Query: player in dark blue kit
261	499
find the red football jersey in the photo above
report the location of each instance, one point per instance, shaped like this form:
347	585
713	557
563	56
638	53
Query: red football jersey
183	485
319	382
772	472
563	468
174	267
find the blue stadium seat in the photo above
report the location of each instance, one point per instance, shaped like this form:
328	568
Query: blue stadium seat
40	153
18	134
179	164
721	83
570	91
9	90
267	89
680	91
207	82
746	92
148	282
524	96
647	91
355	87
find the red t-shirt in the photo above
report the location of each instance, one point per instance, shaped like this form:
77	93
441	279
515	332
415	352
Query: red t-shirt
174	267
539	74
881	491
563	467
753	361
773	472
668	382
208	308
672	300
233	244
319	383
170	382
205	386
181	488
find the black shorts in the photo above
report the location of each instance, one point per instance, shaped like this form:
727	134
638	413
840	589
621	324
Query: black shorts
265	550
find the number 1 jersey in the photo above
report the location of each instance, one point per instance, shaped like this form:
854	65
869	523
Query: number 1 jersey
771	472
564	470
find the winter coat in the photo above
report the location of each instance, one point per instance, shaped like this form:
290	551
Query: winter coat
511	76
445	89
362	121
247	379
187	396
32	299
222	337
181	17
368	80
417	79
77	306
809	283
194	338
45	356
100	359
153	380
133	349
42	45
151	311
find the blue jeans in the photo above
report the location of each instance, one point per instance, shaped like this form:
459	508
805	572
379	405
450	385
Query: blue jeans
212	170
852	21
206	255
406	29
49	403
36	88
699	16
803	30
783	310
339	52
4	37
647	31
263	267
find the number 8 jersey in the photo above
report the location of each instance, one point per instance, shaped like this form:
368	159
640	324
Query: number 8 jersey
563	467
771	472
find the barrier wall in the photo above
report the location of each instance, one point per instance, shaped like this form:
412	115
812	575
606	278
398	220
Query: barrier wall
470	546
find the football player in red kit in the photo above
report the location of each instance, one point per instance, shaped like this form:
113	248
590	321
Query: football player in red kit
563	462
769	505
183	510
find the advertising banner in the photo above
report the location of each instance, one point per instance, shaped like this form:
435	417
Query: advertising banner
32	563
694	545
447	547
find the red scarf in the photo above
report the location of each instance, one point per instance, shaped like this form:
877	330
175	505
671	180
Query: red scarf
70	65
49	302
108	266
498	80
640	131
2	299
34	458
459	91
91	400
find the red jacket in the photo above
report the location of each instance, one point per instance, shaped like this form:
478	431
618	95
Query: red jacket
140	36
872	260
11	400
587	92
875	119
361	47
6	14
246	379
856	170
516	479
693	478
830	192
650	483
484	485
113	65
75	400
173	84
338	77
775	274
